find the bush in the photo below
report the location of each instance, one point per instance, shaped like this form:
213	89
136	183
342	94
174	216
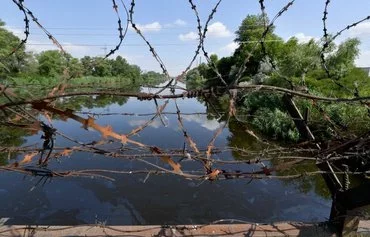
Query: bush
275	123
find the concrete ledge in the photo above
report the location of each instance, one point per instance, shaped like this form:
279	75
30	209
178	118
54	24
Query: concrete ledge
280	229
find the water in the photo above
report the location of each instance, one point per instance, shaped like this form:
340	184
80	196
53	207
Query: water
167	199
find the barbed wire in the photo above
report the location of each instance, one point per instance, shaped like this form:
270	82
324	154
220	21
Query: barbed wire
122	32
26	26
31	109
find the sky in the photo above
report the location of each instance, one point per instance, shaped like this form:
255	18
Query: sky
89	27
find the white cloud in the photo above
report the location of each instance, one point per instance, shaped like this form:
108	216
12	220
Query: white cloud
17	32
211	125
218	30
189	36
230	48
215	30
364	59
180	22
75	50
39	45
151	27
361	30
140	122
302	38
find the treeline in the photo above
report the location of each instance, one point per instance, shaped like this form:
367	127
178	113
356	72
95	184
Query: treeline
294	65
51	64
284	61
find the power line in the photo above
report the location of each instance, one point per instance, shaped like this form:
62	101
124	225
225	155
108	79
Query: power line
93	34
142	44
113	29
104	45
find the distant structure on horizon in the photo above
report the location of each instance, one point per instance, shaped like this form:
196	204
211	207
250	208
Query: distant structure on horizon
366	69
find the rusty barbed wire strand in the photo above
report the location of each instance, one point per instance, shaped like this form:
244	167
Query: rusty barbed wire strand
139	151
26	32
264	35
122	33
242	68
326	44
189	94
48	34
187	137
146	124
202	36
263	11
328	40
151	48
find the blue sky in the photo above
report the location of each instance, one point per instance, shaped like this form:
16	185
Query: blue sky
86	27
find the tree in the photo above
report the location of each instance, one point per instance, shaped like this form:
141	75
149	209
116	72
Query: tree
252	28
101	67
153	78
87	65
342	60
297	59
214	59
51	63
225	68
75	67
119	66
10	64
194	80
248	35
134	73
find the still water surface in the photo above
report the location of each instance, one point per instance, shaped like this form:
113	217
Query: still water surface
160	199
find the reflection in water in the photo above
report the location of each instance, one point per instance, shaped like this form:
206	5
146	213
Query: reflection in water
241	139
163	199
140	122
10	137
202	120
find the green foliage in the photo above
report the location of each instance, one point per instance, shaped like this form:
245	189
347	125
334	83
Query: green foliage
101	67
119	66
10	137
10	65
51	63
75	68
87	65
254	101
296	59
356	79
249	33
153	78
276	124
45	68
342	60
194	80
349	119
297	67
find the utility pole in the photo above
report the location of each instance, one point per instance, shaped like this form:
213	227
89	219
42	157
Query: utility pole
200	60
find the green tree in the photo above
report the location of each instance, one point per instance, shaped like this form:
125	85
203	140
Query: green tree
194	80
87	65
120	67
342	60
297	59
75	67
10	65
101	67
248	35
51	63
134	74
153	78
